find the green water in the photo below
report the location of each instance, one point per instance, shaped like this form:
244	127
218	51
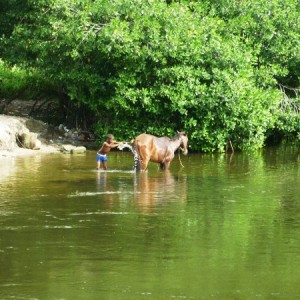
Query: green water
220	228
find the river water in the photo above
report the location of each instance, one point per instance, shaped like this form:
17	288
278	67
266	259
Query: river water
222	227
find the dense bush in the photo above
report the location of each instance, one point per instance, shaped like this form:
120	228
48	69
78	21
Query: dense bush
18	82
13	79
212	68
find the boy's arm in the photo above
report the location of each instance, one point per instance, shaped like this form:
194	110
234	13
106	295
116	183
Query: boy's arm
112	145
115	144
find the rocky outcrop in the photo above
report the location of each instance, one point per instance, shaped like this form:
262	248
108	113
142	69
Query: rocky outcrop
20	135
14	134
28	140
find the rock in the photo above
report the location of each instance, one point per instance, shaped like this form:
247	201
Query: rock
78	150
10	128
73	149
28	140
38	145
67	148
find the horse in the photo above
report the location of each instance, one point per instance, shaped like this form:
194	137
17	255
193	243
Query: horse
160	150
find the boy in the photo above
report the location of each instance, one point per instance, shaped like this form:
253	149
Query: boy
106	147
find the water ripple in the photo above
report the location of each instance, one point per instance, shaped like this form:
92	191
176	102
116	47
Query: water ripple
85	194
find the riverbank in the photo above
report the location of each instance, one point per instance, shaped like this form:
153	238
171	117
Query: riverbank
25	152
14	127
22	136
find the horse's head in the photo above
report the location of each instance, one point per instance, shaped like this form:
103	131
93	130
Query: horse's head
184	142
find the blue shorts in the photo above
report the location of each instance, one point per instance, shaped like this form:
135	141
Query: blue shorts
101	157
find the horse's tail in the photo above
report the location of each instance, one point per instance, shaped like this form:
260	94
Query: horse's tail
137	160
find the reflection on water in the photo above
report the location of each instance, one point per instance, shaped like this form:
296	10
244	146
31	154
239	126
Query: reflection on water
145	190
151	191
7	167
223	227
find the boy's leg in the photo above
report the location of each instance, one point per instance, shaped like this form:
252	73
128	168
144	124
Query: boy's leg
104	162
98	162
104	165
101	162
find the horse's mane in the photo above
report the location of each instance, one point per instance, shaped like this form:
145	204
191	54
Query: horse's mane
177	136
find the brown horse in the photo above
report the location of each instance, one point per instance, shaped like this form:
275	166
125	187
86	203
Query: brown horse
161	150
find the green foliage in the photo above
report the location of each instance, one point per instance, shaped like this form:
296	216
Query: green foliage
288	116
18	82
211	68
12	80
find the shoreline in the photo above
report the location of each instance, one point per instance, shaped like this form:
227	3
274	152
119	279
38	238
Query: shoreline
41	138
20	152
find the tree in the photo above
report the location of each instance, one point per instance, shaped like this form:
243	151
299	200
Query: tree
210	67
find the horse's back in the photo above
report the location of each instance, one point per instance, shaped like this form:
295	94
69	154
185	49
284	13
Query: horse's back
161	142
144	139
152	142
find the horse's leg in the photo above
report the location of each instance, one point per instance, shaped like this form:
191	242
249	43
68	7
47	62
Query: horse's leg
162	166
168	160
144	157
167	165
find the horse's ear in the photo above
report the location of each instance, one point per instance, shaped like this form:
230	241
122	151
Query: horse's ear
182	133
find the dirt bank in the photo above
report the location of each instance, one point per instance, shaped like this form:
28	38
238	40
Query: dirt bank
12	126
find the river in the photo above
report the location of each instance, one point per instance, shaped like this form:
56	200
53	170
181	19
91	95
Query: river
222	227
